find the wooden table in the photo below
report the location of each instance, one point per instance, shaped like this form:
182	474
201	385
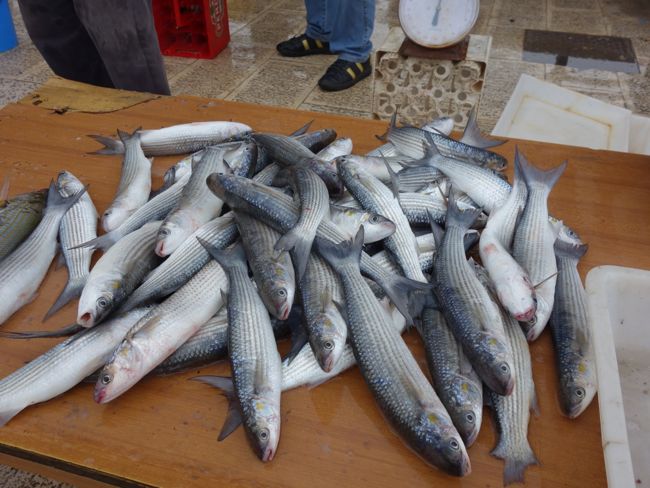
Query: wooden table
163	432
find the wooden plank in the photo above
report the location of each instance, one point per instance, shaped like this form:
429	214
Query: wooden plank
163	432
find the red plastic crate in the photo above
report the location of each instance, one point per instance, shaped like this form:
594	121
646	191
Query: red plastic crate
191	28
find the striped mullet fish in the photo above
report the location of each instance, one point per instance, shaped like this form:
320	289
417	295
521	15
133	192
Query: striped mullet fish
79	225
19	216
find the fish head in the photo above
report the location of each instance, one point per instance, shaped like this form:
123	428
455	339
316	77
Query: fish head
468	415
534	327
279	287
330	334
114	216
328	172
496	368
263	425
440	444
170	236
376	227
95	303
120	373
577	388
68	182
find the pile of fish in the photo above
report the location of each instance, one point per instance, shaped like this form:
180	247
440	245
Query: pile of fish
256	236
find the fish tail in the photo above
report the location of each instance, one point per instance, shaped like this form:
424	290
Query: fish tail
344	253
229	258
125	136
37	334
532	174
570	250
460	218
56	200
300	245
515	465
102	242
111	146
302	130
71	291
406	294
233	418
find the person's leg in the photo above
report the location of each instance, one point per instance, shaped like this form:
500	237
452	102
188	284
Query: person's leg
124	34
352	28
320	17
63	41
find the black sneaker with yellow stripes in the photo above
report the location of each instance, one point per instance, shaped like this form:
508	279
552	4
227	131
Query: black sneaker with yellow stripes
302	45
344	74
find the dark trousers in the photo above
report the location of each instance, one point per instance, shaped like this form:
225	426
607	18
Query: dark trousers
110	43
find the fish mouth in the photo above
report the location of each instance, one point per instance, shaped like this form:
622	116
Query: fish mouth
284	312
268	454
86	320
160	249
471	436
510	386
526	316
328	363
99	395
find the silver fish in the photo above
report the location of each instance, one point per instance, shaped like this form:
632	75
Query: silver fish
163	330
178	139
79	225
22	272
185	262
348	220
339	147
459	387
314	207
475	321
281	212
155	209
64	366
444	125
401	390
254	358
197	204
273	271
376	197
117	273
533	242
135	183
571	331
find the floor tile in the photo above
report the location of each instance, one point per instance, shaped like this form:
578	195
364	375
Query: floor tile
507	42
528	14
270	28
636	91
16	62
485	12
630	9
298	5
629	28
281	83
217	77
13	90
175	65
359	97
576	4
642	49
579	21
501	78
335	110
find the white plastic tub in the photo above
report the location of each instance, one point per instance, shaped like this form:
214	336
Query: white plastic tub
619	309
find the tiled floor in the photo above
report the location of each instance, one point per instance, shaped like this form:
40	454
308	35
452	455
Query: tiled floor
250	70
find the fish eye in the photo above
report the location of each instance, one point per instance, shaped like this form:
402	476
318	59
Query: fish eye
580	392
374	219
106	379
102	302
504	368
263	434
535	300
453	443
282	293
470	418
329	345
164	232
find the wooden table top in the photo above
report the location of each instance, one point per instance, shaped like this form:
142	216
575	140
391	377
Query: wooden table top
163	432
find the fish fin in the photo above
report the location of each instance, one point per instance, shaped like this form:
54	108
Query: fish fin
4	191
111	146
460	218
102	242
302	130
231	257
127	136
55	199
472	135
341	309
430	152
545	280
398	288
37	334
325	299
436	229
71	291
300	246
298	340
7	415
570	250
281	178
513	471
233	417
346	252
394	180
60	261
532	174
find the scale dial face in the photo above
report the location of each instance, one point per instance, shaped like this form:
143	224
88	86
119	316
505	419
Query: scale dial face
437	23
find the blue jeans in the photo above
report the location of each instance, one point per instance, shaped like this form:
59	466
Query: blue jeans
346	24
